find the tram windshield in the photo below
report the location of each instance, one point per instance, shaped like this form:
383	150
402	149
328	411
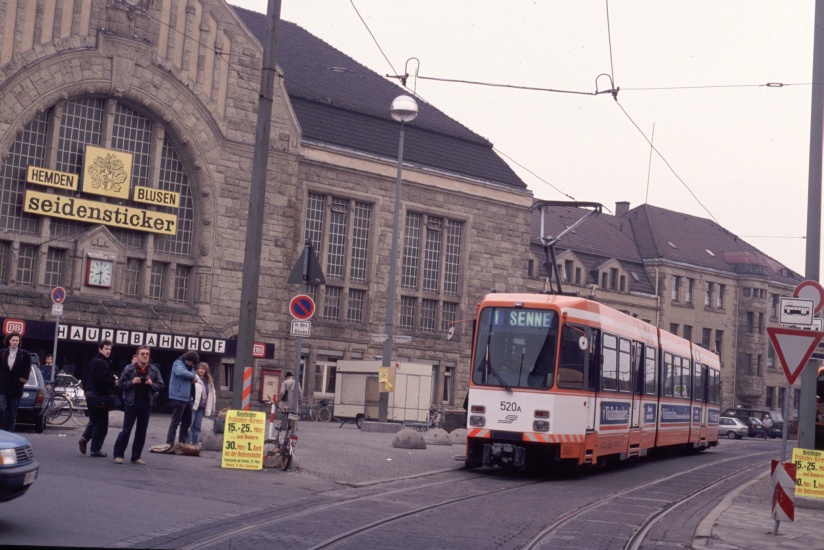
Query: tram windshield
516	348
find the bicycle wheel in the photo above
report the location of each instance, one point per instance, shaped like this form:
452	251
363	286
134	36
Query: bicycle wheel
271	454
59	411
81	417
324	414
287	452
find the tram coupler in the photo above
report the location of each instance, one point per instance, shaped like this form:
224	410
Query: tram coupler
505	455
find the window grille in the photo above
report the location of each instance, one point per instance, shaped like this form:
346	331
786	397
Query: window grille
407	312
360	241
131	287
4	262
157	281
55	259
331	303
173	178
336	251
181	289
314	220
428	310
432	255
411	250
25	264
449	315
29	147
354	311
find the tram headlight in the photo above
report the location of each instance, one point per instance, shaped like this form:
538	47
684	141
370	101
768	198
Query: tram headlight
477	421
540	426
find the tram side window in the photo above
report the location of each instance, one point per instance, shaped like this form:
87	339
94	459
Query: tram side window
681	370
698	383
609	372
573	358
715	386
624	366
669	376
650	381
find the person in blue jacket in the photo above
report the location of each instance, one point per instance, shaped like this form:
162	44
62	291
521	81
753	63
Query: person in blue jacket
181	395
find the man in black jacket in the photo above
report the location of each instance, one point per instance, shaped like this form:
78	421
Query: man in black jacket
98	383
15	367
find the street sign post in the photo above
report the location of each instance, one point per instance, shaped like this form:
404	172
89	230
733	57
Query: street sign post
58	296
301	328
57	311
796	311
302	307
793	348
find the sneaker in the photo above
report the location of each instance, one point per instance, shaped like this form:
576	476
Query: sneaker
82	445
118	460
99	454
139	461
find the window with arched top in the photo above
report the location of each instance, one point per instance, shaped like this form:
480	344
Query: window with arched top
56	139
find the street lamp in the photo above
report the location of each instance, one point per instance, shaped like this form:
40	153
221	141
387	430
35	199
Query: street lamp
404	109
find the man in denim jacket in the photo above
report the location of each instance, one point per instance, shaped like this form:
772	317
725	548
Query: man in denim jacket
180	395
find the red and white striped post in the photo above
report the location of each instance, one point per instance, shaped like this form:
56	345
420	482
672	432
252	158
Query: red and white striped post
246	399
783	505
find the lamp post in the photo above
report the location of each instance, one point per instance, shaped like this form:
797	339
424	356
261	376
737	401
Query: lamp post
404	109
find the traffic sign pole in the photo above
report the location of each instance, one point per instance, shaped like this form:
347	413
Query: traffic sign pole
58	295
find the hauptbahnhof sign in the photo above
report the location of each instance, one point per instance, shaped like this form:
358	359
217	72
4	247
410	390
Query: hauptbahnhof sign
107	173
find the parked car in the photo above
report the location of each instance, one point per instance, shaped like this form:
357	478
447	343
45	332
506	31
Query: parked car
18	469
744	413
733	428
34	401
69	385
754	427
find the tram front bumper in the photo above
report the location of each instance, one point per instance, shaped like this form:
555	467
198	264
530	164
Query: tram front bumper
505	455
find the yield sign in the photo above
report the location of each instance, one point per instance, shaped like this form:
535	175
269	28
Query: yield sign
793	348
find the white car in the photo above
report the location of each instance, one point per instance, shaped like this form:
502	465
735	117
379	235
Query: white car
733	428
70	386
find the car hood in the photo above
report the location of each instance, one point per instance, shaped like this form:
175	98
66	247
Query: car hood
8	439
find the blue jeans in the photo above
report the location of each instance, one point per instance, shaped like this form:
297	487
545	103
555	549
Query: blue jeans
138	412
8	412
181	416
197	420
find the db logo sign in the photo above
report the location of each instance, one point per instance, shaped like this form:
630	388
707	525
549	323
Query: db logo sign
258	350
14	325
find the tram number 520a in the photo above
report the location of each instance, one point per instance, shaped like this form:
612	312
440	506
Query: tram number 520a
509	406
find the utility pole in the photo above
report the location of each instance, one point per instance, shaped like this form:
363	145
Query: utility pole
806	409
257	201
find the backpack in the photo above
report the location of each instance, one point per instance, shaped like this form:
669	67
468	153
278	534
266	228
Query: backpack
285	396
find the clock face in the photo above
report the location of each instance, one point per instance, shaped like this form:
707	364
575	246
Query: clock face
99	272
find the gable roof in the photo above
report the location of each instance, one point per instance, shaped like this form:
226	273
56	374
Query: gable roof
664	234
340	102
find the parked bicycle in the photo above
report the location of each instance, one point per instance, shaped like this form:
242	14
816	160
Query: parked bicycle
58	409
318	411
279	452
80	413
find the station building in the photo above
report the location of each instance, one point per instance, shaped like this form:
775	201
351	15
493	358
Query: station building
126	147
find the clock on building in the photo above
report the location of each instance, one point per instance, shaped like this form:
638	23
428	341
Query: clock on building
99	272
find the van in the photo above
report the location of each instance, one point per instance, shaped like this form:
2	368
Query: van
744	413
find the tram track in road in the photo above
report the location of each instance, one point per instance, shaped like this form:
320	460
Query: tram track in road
294	512
648	504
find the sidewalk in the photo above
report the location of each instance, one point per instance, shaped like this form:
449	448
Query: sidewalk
743	521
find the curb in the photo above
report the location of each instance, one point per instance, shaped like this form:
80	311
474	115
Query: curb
704	530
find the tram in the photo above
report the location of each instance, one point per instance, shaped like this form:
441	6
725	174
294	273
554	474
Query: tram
558	378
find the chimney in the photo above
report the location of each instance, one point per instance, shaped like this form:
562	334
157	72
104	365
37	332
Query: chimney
621	208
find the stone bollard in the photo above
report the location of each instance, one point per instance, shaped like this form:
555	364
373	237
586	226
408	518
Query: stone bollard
115	419
437	436
409	439
458	436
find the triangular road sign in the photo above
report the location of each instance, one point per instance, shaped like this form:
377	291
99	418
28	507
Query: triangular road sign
794	348
307	269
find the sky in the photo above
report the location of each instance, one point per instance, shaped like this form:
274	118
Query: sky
692	79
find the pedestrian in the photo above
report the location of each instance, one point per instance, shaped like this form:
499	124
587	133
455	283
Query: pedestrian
49	371
140	384
181	395
204	403
15	367
767	424
98	385
289	394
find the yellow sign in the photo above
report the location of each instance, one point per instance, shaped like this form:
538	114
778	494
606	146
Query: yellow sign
107	172
150	195
386	376
243	438
72	208
809	473
52	178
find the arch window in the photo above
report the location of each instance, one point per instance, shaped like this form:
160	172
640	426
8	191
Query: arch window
110	124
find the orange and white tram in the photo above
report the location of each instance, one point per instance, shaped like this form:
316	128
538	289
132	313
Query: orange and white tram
562	378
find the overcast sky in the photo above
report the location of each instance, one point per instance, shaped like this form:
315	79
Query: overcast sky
695	71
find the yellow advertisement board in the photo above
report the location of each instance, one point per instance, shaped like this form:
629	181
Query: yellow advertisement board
243	438
107	172
73	208
809	473
52	178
